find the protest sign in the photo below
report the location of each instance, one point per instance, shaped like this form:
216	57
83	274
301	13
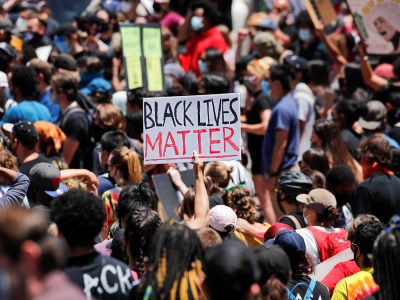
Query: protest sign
379	24
174	127
326	11
167	193
142	56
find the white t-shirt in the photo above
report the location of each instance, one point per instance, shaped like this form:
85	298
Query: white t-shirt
305	100
311	243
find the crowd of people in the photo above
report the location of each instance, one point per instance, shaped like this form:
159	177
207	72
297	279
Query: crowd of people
318	180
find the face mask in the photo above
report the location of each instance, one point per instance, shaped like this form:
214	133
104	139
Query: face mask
329	117
20	24
304	34
32	36
196	23
54	98
305	217
250	83
264	86
202	66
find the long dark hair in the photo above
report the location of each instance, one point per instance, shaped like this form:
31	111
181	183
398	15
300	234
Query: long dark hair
176	261
333	144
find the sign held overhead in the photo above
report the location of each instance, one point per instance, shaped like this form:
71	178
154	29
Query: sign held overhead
174	127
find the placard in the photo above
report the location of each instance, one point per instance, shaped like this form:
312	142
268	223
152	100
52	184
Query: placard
142	56
326	11
379	24
174	127
166	191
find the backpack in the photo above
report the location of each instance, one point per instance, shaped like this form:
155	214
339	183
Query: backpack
330	243
310	290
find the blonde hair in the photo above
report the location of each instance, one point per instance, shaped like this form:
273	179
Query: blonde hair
128	163
110	116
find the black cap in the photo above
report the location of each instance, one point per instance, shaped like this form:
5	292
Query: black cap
24	131
296	62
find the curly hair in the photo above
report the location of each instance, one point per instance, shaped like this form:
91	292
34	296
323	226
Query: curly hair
140	227
133	197
376	149
79	216
7	160
239	199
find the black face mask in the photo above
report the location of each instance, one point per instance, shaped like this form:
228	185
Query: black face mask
157	7
103	27
32	36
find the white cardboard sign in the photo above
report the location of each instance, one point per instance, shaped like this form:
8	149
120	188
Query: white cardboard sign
174	127
379	24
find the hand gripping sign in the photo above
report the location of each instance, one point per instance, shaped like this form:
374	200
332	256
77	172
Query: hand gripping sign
176	126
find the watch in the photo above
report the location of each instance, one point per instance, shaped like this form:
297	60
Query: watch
273	174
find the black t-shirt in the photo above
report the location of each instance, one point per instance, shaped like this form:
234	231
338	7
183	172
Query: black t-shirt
76	126
261	102
25	168
100	277
377	195
288	220
300	286
352	140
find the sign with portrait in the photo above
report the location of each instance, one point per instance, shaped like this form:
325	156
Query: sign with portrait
379	24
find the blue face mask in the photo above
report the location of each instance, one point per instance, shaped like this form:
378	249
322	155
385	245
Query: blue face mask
304	34
54	98
202	66
264	86
196	23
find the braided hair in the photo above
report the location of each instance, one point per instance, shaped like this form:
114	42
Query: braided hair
140	227
175	264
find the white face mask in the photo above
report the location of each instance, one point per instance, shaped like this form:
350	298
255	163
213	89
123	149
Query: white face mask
304	34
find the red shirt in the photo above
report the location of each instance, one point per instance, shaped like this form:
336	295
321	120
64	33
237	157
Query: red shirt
339	271
199	44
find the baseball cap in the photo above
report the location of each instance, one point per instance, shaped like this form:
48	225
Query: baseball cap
97	85
268	23
274	229
374	117
318	200
385	70
265	41
291	242
65	62
272	260
3	80
24	131
8	49
48	178
222	216
296	62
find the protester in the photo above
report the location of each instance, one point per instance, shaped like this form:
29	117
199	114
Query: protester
362	282
81	212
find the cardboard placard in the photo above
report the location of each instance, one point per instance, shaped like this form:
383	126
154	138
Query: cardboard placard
142	56
167	193
326	11
379	24
311	12
174	127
